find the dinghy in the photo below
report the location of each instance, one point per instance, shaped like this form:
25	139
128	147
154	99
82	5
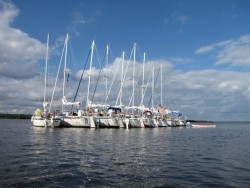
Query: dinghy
204	125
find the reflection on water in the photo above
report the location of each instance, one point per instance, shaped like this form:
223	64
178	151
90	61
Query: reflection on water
75	157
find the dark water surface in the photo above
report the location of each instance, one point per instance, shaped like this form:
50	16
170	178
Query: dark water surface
160	157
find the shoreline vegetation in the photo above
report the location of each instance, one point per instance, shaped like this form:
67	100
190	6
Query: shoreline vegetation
15	116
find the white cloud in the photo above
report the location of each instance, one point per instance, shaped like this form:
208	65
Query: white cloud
218	90
8	12
236	53
19	55
207	94
205	49
17	49
181	60
233	52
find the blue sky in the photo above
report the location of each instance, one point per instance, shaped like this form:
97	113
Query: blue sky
162	28
203	45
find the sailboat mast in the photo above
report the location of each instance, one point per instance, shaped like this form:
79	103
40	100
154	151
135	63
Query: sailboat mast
161	85
107	62
133	102
46	69
143	77
123	57
57	75
65	62
153	87
90	68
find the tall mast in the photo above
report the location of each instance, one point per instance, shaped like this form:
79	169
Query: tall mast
143	77
133	102
107	62
161	85
90	67
153	87
65	62
123	57
57	75
46	69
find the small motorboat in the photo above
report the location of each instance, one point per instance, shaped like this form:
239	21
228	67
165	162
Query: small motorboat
204	125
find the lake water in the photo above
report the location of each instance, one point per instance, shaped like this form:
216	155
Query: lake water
160	157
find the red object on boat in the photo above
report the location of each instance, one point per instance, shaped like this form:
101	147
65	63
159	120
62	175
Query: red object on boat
204	125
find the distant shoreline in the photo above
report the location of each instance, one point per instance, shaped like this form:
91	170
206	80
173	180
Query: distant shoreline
15	116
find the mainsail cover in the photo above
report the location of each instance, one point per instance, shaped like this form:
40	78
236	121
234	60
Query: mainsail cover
65	102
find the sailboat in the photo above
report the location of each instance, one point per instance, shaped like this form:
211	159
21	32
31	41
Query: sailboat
105	116
131	116
148	114
44	119
160	114
71	118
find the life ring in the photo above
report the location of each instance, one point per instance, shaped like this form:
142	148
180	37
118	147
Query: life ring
148	113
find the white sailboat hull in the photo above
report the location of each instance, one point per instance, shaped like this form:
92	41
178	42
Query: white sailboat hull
38	122
78	121
54	122
149	123
161	123
171	123
43	122
106	122
133	122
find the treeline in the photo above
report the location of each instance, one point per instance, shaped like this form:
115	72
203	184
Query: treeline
199	121
15	116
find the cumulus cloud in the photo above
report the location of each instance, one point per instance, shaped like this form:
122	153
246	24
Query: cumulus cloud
15	98
17	49
205	94
235	52
19	55
8	12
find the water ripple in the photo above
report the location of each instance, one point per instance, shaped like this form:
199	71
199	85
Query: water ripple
169	157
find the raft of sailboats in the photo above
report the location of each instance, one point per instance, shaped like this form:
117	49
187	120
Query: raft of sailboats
105	115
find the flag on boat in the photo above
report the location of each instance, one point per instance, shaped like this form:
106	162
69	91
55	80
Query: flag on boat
161	110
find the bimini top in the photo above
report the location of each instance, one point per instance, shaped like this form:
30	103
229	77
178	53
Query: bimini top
114	108
175	114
